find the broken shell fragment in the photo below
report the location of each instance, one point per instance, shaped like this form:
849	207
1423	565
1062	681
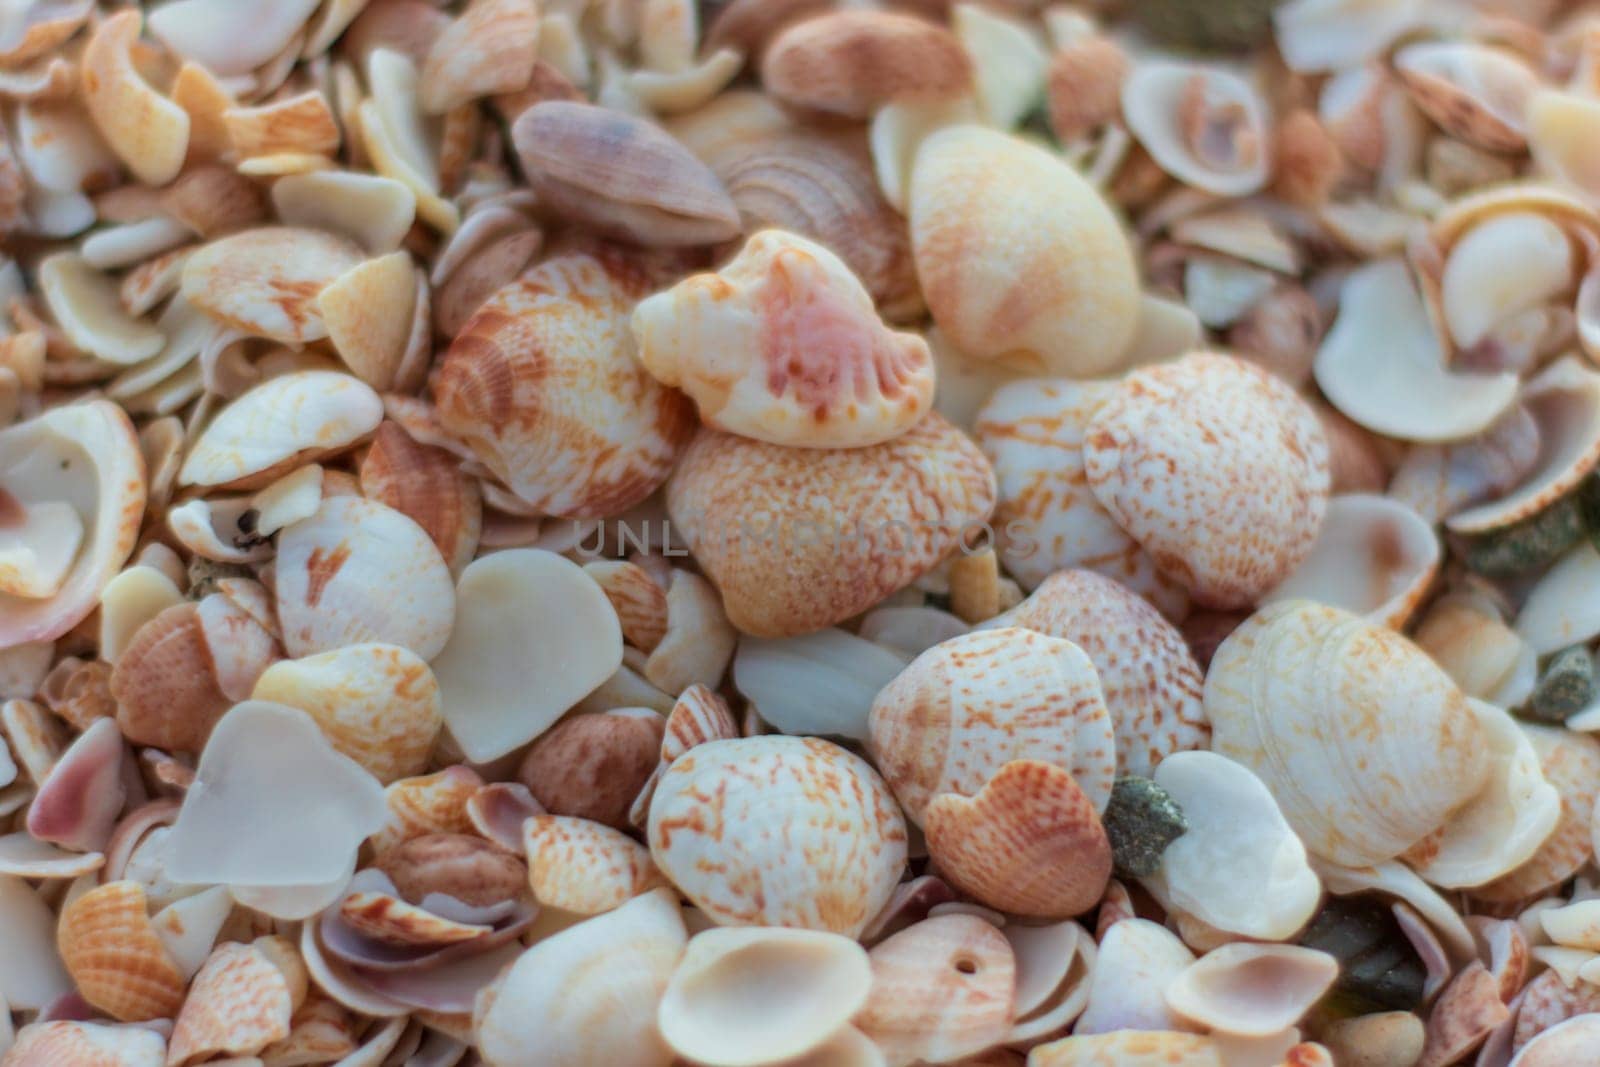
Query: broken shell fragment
1129	1048
489	49
265	282
148	132
69	1043
165	683
1475	92
1252	990
1373	556
84	302
1571	763
1138	961
240	1003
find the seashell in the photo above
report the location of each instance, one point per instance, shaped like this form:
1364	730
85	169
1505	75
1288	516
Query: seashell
293	497
910	631
1020	259
69	1043
36	29
358	571
189	927
79	692
621	175
1569	1042
588	994
387	920
1464	635
1028	843
1204	125
1575	925
755	995
425	484
36	738
469	869
698	716
1129	1048
592	766
525	618
373	211
320	1030
1547	1002
583	867
1318	35
1138	961
819	683
114	956
498	811
699	640
851	63
1465	1013
22	856
147	131
1236	835
489	49
211	531
32	973
1379	301
1150	680
1439	480
942	989
1280	333
1475	92
240	646
1009	62
204	31
402	142
965	708
1315	667
836	882
1252	990
428	804
300	124
495	266
265	282
79	800
639	600
84	302
1053	967
1475	294
762	310
266	757
1373	556
757	516
377	704
239	1004
367	312
165	683
522	382
1571	763
1237	424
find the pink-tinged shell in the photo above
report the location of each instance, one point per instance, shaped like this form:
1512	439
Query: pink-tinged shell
784	345
1033	431
147	131
1462	1018
239	1004
1570	762
1129	1048
579	866
542	383
490	48
388	920
853	62
470	869
714	831
640	601
1252	990
762	520
265	282
1548	1002
431	804
78	802
592	766
427	485
1504	949
165	683
1217	468
112	952
1020	258
967	707
1151	681
942	989
73	1043
1029	843
499	811
1569	1044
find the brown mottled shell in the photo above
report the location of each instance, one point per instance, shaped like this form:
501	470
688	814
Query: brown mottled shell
853	62
430	804
748	26
640	601
1548	1001
239	1004
1029	843
1151	681
1571	763
592	766
1466	1012
582	867
427	485
1084	86
1217	468
467	868
111	950
543	384
489	49
761	520
165	684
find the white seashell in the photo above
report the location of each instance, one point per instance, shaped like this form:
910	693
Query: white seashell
1393	878
24	856
1439	480
1509	263
188	927
743	997
1475	92
1567	1044
402	142
1373	556
1563	607
1220	290
291	498
133	243
1053	967
1204	125
265	282
1009	62
815	684
1237	837
358	571
31	972
228	37
1252	990
84	303
1383	366
37	550
908	631
373	211
1131	1048
1318	35
1138	960
1575	925
1557	123
210	530
699	640
149	132
1571	763
533	637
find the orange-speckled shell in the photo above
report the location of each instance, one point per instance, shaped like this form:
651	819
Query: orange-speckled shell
1548	1001
430	804
1129	1048
472	870
942	989
1217	468
543	384
239	1004
489	49
970	705
164	683
778	831
1029	843
1151	681
149	132
580	866
385	918
640	600
784	345
427	485
111	950
799	539
62	1043
592	766
853	62
1571	763
266	281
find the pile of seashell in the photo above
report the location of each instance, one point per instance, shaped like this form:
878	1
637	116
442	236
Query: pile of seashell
800	533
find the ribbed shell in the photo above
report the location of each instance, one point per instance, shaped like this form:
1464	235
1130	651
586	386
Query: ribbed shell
1571	763
543	384
580	866
778	831
240	1003
592	766
853	62
430	804
165	684
64	1043
112	952
762	520
1366	744
427	485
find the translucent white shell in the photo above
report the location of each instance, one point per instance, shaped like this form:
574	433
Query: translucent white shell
1204	125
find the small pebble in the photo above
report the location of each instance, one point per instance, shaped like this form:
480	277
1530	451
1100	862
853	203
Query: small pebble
1220	24
1378	967
1526	545
1566	687
1141	820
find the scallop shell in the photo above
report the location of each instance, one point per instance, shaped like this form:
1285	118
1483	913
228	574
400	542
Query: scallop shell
488	49
68	1043
762	520
1476	92
1571	763
836	875
1028	843
588	994
965	708
427	485
1302	694
113	954
1020	259
543	384
1204	125
1212	425
801	357
942	989
147	131
165	683
582	867
853	62
1129	1048
377	704
1151	682
593	766
358	571
640	601
239	1004
741	997
367	312
428	804
265	282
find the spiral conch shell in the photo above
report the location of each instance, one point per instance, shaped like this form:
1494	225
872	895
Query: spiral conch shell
1365	743
784	345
